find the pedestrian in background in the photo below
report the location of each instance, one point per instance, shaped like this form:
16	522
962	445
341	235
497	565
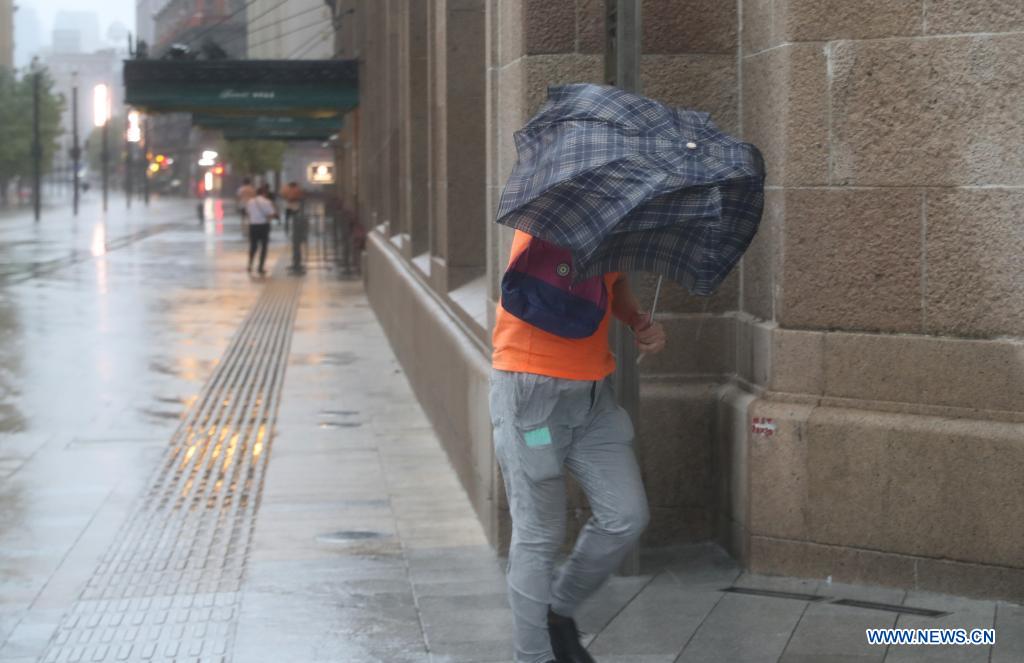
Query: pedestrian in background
245	193
261	212
293	196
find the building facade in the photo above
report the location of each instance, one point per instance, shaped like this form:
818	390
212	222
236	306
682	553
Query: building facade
145	19
7	33
851	402
196	22
296	30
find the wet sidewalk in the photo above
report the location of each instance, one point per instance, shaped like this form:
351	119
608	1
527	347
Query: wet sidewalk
196	466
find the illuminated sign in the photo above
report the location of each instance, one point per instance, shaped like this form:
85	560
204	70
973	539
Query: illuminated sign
320	173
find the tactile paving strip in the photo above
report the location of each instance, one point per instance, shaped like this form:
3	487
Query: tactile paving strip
168	587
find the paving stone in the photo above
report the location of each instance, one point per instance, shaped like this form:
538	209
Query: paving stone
744	629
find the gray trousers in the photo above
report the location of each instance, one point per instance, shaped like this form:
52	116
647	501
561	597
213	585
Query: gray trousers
542	426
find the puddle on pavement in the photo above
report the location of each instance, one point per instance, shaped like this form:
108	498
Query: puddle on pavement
325	359
159	414
344	536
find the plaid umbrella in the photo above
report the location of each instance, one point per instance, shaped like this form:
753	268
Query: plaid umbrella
629	184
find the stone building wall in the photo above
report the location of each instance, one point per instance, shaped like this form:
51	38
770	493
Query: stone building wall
875	324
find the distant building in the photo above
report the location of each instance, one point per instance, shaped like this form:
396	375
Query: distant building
196	22
145	21
296	30
7	33
76	32
67	41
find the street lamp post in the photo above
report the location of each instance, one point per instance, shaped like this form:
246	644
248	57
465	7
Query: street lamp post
145	161
76	150
101	119
37	146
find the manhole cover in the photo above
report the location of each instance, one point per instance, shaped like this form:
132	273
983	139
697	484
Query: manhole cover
348	535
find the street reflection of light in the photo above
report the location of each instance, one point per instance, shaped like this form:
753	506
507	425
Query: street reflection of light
98	245
218	210
230	452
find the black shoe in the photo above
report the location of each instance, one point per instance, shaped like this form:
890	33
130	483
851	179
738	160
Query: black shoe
565	640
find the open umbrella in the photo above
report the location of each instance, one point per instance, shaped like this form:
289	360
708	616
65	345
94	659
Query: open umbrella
628	184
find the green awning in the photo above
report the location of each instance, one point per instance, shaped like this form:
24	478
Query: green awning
270	127
312	88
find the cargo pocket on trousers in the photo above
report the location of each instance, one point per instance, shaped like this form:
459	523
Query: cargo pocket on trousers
538	453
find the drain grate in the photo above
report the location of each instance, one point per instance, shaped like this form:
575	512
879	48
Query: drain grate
890	607
853	603
797	596
168	588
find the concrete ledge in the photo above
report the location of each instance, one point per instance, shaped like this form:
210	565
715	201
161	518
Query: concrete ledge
941	497
447	367
871	567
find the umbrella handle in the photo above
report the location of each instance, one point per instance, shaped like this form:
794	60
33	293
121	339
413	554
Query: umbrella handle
654	307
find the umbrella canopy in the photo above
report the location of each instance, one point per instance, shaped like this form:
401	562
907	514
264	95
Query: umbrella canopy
629	184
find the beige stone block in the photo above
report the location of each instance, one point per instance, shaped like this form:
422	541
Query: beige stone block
950	16
673	526
759	26
849	565
696	345
852	260
916	485
979	580
697	26
549	27
511	111
919	369
675	298
761	261
542	71
797	361
928	111
827	20
590	29
673	444
785	112
732	469
778	471
511	43
974	243
699	82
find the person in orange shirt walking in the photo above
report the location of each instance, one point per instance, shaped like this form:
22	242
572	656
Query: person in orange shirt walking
553	409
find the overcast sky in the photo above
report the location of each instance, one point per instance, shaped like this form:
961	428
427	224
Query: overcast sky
108	11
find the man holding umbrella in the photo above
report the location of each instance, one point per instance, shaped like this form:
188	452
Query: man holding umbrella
607	182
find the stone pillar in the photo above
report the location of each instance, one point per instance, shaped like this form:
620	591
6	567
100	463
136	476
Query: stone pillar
457	146
882	302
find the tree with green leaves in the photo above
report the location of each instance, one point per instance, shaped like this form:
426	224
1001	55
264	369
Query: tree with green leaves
16	125
255	157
